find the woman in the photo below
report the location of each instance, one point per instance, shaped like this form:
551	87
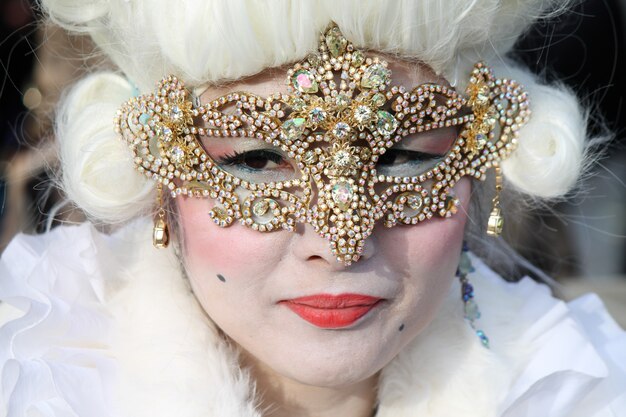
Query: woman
309	235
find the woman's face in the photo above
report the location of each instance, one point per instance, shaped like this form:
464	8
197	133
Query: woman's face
271	293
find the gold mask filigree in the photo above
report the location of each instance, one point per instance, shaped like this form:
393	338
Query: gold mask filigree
341	116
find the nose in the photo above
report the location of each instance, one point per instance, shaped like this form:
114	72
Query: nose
311	247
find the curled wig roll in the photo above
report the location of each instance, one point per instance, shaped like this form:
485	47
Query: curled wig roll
212	41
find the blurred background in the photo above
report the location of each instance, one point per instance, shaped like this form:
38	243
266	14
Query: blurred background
581	243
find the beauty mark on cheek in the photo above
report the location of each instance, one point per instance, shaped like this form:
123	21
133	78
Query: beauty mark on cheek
221	277
401	327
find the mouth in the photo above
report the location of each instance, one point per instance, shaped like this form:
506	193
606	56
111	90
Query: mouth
332	311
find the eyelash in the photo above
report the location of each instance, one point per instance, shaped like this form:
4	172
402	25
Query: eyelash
239	158
413	157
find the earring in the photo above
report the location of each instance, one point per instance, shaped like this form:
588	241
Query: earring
160	232
496	221
472	313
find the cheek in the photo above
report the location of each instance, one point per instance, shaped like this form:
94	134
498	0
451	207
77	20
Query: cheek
228	267
427	256
236	250
431	245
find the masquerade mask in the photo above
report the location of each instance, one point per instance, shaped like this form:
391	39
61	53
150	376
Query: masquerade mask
343	150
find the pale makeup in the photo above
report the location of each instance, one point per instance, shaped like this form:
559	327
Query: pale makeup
239	275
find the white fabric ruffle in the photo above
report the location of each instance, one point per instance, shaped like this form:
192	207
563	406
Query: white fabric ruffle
59	356
53	358
575	363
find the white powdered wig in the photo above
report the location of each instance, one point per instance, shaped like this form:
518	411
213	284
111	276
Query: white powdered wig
550	155
212	41
98	172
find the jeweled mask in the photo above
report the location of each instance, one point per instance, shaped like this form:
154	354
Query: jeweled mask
332	152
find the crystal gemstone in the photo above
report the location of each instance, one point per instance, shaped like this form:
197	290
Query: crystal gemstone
387	124
378	99
177	154
335	42
176	114
342	158
297	104
357	58
317	115
375	75
342	194
261	207
167	134
342	101
341	130
414	201
362	114
304	81
471	310
293	128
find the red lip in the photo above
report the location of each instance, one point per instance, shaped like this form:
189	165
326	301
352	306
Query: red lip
332	311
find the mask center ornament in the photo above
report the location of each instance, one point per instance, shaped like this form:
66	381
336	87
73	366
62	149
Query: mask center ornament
335	126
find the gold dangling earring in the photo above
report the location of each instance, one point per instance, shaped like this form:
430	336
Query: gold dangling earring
496	221
160	232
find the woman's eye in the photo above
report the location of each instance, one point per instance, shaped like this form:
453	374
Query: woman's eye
406	163
403	156
258	165
256	160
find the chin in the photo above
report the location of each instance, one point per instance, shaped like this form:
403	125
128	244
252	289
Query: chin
330	365
329	375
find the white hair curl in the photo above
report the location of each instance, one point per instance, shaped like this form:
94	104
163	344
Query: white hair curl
213	41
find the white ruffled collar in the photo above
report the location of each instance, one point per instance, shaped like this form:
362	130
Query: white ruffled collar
110	329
